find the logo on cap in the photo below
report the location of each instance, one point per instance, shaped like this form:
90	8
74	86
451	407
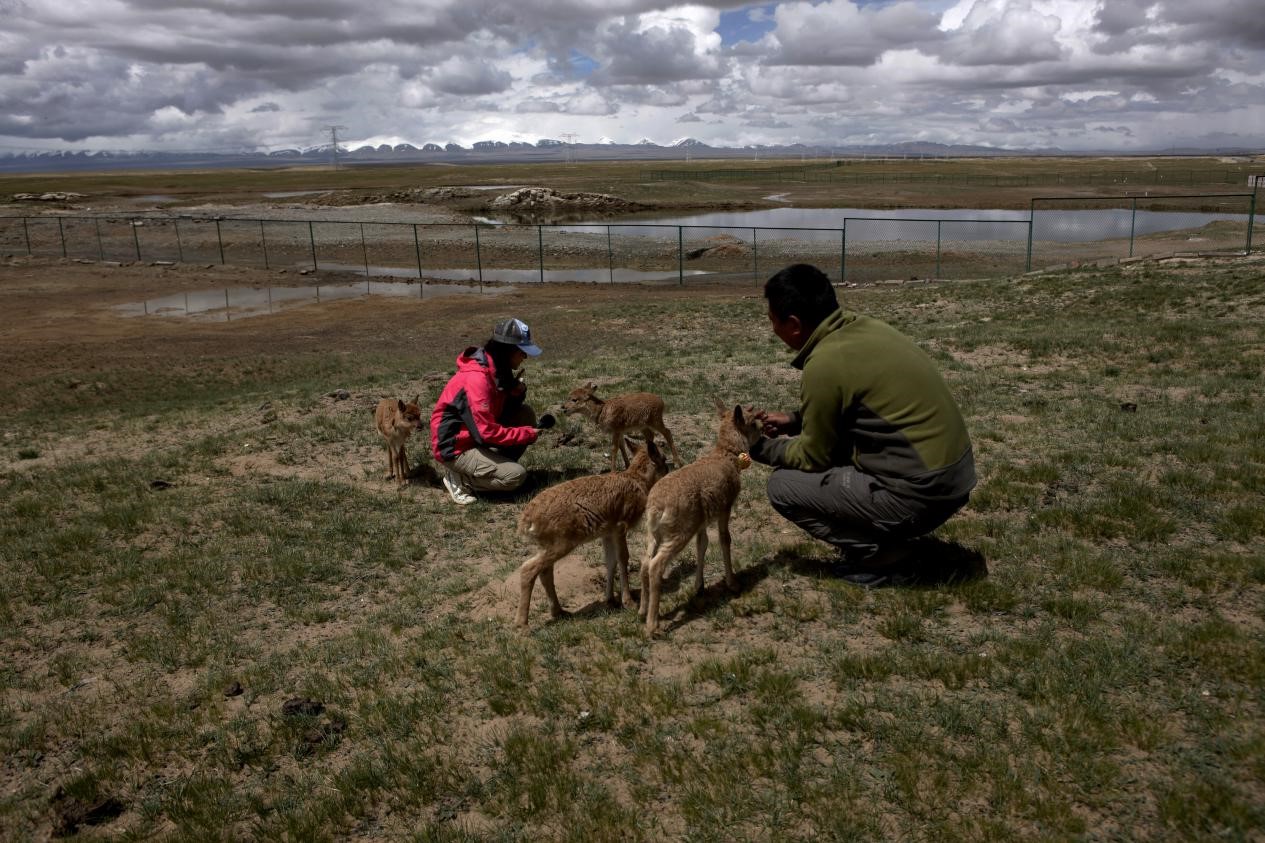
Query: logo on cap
515	332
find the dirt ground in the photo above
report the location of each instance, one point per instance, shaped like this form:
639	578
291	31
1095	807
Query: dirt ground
61	316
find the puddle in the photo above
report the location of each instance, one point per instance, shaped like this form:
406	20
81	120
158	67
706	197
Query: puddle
286	194
778	197
518	276
155	197
227	304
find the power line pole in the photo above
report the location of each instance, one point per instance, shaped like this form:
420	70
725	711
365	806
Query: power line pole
333	139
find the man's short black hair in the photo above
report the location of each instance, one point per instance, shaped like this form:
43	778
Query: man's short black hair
801	290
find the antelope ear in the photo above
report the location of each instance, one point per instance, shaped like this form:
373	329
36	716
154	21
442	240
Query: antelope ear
590	386
400	401
417	399
719	405
630	444
738	414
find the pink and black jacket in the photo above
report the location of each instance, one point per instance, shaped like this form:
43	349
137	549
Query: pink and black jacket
465	416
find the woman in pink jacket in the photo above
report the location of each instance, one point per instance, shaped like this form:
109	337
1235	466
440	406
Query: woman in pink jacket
481	426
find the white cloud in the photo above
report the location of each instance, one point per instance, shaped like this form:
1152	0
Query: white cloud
194	74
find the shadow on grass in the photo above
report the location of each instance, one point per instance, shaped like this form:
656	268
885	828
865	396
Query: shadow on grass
428	474
933	562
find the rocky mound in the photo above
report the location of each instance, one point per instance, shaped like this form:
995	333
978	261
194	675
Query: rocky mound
412	195
547	201
48	197
720	246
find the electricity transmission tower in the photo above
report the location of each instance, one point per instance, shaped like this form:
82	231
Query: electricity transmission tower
570	139
333	139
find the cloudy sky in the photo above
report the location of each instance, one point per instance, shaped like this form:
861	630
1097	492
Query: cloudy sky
227	74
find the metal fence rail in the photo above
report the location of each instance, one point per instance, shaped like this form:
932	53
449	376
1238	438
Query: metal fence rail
1058	231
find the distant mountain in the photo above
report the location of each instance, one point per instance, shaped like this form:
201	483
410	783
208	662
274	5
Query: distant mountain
496	151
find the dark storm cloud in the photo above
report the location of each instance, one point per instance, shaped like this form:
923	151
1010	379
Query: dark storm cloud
1236	22
470	78
653	56
1119	17
535	105
838	33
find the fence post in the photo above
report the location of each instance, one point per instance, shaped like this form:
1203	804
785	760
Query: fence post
478	255
364	250
263	242
755	258
1032	210
62	233
417	250
27	232
938	223
1251	221
311	238
179	245
100	247
843	252
219	239
136	241
540	250
680	255
1133	219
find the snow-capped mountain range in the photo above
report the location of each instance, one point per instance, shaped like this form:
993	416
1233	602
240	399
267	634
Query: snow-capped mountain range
495	151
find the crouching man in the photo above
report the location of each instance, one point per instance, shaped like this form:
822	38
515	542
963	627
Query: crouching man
878	452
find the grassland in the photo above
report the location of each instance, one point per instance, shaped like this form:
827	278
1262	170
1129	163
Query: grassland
703	183
221	621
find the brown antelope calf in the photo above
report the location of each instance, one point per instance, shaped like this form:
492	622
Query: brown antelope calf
396	420
620	414
689	499
563	517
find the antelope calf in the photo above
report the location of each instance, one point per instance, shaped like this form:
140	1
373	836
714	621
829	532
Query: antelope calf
563	517
395	420
682	506
620	414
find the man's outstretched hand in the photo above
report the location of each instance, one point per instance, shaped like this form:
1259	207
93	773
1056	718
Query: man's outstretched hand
773	423
546	421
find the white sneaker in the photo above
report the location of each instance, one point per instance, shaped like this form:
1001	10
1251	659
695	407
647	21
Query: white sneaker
456	489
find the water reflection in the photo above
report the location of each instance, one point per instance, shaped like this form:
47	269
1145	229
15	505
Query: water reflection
286	194
824	224
520	276
225	305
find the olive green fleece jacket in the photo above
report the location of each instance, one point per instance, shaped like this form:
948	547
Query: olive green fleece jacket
872	399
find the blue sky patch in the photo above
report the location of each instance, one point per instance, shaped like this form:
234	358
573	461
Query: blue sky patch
749	24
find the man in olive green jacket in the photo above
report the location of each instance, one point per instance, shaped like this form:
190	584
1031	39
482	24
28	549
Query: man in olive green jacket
878	452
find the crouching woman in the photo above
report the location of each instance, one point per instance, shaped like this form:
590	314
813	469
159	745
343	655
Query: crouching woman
481	424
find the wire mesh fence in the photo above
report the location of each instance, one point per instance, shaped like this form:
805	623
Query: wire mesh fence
1057	231
1086	230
